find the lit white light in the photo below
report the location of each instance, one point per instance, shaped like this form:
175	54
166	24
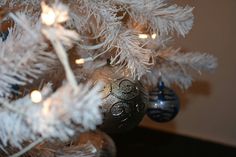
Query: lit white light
154	36
83	60
80	61
143	36
53	15
48	16
36	96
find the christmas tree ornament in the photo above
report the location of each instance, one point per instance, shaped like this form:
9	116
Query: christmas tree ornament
102	143
163	104
87	144
44	41
124	100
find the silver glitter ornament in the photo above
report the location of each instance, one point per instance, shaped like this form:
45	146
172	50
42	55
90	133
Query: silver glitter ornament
123	103
163	104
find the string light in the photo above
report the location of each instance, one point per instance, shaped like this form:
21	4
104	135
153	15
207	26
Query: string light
83	60
36	96
48	16
79	61
143	36
154	36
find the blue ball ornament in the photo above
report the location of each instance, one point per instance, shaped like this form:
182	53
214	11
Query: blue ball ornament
163	104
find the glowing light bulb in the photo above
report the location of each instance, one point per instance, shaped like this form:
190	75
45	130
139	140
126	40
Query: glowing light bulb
143	36
80	61
36	96
83	60
154	36
49	18
54	15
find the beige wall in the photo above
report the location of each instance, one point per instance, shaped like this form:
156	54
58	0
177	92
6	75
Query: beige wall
209	106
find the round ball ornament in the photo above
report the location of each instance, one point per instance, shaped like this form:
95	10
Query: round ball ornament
124	100
163	104
103	143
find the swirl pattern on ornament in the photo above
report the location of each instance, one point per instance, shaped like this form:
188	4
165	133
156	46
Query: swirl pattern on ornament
125	89
121	111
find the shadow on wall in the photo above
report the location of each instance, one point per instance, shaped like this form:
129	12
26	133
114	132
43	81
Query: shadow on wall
200	87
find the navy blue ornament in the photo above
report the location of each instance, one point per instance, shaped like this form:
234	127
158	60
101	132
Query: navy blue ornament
163	104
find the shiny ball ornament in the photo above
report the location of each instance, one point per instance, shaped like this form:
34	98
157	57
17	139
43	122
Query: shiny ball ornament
87	144
103	143
163	104
123	103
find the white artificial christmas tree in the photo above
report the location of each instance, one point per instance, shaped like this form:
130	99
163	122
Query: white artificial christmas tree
65	42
